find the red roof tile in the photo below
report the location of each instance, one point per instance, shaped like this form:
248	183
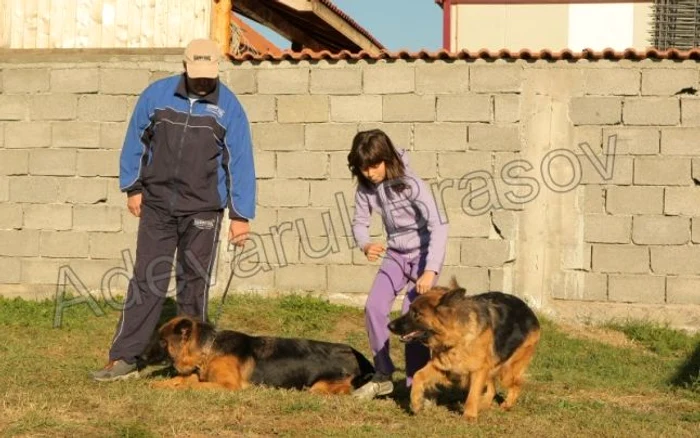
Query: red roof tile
525	54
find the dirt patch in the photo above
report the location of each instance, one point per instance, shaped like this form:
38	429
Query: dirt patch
345	326
606	336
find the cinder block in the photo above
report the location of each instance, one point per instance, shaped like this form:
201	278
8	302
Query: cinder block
14	162
97	218
458	164
582	286
129	223
52	162
48	216
659	171
409	108
305	165
283	193
123	81
75	80
661	230
100	108
330	136
265	164
278	137
259	108
25	80
26	135
10	216
635	200
634	141
339	166
683	290
4	188
690	111
668	81
57	106
442	78
13	107
464	108
651	111
9	270
328	81
603	228
598	173
283	80
240	80
695	229
453	252
98	163
41	270
19	243
485	252
494	137
302	109
93	273
645	289
474	280
84	135
325	251
389	79
440	137
626	259
594	199
683	201
675	260
34	189
82	190
323	193
424	164
115	197
112	135
351	279
111	245
595	110
365	108
612	81
496	78
302	277
679	141
462	224
506	108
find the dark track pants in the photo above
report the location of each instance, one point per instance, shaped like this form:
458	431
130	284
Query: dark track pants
195	237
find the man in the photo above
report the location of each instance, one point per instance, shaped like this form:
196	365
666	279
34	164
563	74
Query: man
186	157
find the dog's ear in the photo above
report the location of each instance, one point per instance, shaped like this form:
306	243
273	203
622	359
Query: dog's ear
454	284
184	328
452	297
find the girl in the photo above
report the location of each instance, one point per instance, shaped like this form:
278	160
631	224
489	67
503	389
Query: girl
416	242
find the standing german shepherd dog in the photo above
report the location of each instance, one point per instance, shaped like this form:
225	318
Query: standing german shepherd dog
207	358
473	340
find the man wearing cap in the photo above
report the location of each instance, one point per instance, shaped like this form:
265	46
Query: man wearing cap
186	157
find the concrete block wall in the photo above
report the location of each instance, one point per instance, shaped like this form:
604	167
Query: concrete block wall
530	210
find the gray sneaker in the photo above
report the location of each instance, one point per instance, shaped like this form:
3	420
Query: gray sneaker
373	389
116	370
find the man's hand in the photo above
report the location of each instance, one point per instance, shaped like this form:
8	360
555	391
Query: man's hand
238	232
373	251
425	282
133	203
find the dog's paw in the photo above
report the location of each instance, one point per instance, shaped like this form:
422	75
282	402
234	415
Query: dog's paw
162	384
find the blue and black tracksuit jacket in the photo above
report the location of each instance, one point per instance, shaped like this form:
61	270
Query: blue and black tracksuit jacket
189	156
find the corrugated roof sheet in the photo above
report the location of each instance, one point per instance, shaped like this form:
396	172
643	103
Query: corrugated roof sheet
525	54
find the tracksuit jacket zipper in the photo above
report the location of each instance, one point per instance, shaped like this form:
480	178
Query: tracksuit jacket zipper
179	158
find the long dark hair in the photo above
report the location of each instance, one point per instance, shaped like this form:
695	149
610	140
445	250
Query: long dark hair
370	148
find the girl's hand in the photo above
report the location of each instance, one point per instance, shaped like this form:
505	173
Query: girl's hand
373	251
425	282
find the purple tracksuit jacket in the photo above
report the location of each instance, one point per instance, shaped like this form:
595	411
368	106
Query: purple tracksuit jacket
411	219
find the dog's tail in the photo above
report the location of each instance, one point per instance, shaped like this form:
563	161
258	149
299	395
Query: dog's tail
366	369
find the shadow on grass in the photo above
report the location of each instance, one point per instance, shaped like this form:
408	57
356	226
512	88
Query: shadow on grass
450	397
688	375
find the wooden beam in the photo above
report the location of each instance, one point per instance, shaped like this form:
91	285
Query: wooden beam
221	24
342	26
299	5
256	11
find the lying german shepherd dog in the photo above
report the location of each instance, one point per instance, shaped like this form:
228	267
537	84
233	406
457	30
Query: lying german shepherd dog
474	341
207	358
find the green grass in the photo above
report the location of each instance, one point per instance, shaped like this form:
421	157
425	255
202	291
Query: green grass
576	386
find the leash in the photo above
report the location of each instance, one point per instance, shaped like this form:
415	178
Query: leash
228	285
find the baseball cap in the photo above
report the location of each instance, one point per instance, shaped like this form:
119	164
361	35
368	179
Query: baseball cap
202	59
